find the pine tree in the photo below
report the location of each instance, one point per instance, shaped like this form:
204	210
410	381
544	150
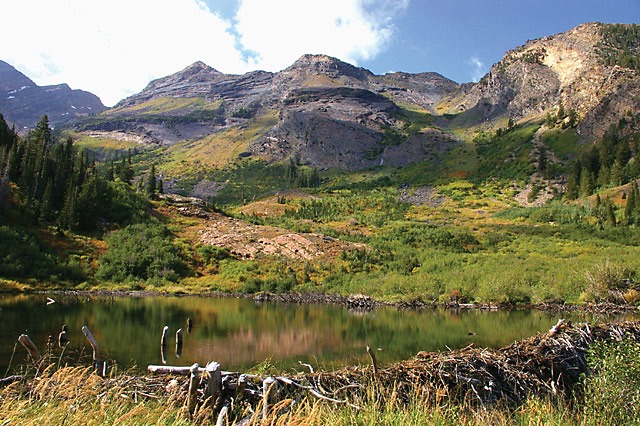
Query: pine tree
150	187
586	183
561	112
314	179
550	120
160	188
603	177
611	215
69	215
5	190
573	183
46	205
542	160
616	174
291	172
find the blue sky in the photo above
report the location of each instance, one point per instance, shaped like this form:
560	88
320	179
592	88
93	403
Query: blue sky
461	39
444	36
115	48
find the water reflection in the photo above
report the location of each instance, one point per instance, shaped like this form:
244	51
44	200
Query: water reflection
239	333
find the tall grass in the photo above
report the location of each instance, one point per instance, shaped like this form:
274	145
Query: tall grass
74	395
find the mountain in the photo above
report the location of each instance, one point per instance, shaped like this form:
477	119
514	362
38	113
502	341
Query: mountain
23	103
329	114
321	110
584	69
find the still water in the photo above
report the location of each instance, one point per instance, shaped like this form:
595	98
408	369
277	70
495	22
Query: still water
241	333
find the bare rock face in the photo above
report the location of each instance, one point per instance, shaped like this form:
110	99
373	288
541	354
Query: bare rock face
330	113
23	103
567	69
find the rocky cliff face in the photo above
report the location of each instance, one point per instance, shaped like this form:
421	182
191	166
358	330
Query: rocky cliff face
568	69
23	103
329	113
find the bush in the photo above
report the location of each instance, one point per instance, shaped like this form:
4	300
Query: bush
141	252
212	255
24	255
612	393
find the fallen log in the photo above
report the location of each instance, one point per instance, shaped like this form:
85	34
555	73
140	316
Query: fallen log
31	348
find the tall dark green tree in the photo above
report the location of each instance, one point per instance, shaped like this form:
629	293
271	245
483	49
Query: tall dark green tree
150	187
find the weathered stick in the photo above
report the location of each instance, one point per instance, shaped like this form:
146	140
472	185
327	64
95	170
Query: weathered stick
99	365
222	417
373	361
165	335
193	388
184	371
242	384
313	391
179	343
269	390
556	328
214	384
92	342
62	337
10	379
30	347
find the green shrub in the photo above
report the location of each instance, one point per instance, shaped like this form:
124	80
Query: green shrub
212	255
141	252
612	393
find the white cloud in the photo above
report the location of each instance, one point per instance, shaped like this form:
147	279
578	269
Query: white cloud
280	31
114	48
478	68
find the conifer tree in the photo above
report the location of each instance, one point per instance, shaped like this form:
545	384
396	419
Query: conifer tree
5	190
616	174
46	205
611	215
150	187
586	183
561	113
160	188
573	183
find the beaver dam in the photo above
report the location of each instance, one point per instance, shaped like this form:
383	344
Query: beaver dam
548	364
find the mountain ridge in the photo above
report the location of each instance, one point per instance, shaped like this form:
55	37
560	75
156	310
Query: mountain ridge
23	102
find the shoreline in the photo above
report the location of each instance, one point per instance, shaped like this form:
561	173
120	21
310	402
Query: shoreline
354	301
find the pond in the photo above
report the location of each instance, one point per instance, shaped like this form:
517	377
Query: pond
241	333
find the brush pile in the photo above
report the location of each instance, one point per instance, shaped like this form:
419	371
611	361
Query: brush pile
546	364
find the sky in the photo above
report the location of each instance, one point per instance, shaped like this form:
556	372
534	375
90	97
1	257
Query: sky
114	48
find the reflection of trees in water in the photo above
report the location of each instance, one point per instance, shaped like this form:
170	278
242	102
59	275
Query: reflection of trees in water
240	333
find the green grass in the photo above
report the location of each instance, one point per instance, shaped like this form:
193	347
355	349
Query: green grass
564	143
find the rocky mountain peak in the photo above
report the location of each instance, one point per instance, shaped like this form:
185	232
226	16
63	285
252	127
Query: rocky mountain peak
23	102
12	79
326	66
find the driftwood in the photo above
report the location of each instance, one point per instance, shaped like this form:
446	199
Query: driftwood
214	385
99	365
11	379
549	364
63	340
373	360
179	343
31	348
193	389
269	391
